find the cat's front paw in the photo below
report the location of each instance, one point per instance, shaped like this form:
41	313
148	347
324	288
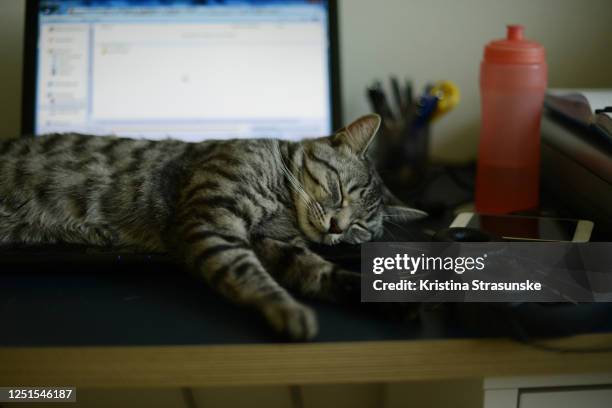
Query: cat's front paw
294	320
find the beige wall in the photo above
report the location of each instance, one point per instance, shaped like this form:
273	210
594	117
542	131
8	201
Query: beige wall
424	39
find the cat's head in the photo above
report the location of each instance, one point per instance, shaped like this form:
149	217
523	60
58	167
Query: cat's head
344	200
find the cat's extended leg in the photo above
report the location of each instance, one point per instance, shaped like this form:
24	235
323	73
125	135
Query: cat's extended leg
220	253
300	269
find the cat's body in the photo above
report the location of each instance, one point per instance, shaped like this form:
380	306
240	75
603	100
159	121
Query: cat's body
239	213
125	192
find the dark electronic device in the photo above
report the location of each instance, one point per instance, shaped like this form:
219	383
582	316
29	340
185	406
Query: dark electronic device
521	228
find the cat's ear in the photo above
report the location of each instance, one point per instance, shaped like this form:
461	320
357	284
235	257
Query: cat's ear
359	134
399	213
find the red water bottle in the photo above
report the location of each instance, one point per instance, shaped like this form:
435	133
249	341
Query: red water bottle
513	77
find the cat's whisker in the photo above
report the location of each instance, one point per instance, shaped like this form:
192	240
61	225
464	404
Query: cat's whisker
313	206
399	226
293	181
303	195
319	210
388	231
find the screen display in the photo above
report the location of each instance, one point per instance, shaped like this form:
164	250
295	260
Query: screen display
191	70
525	228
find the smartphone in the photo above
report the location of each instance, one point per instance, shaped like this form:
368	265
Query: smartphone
519	228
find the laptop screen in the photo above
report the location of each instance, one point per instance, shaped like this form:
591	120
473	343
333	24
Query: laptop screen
185	69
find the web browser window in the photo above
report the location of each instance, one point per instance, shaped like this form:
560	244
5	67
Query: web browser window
184	69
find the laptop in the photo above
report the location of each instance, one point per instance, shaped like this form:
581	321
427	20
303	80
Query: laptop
186	69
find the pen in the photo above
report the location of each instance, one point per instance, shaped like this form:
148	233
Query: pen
408	95
425	109
399	101
380	101
387	112
373	100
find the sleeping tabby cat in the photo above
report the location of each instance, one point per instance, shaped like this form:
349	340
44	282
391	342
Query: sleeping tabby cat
238	213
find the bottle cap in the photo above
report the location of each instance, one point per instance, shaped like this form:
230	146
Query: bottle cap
514	49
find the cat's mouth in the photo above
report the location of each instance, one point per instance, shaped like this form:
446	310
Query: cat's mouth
320	234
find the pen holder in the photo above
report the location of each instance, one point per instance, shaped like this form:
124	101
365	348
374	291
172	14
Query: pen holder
403	144
402	155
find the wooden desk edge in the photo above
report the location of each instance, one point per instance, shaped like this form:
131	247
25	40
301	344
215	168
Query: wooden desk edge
284	364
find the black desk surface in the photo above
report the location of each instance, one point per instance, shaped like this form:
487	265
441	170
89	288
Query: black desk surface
117	303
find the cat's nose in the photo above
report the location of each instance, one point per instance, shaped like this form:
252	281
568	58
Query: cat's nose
334	228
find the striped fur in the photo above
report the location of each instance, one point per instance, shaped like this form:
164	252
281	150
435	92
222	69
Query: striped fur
238	213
